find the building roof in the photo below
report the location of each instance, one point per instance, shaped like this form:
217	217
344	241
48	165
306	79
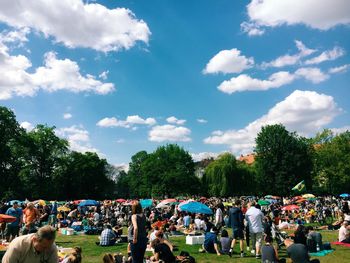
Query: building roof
248	159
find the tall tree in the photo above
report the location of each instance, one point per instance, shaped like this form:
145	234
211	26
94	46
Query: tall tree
282	159
45	151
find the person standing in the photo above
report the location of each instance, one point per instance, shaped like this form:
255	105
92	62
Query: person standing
137	235
219	217
237	224
255	217
12	229
33	248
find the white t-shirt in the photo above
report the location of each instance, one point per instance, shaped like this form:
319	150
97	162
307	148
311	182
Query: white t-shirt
218	216
255	218
343	232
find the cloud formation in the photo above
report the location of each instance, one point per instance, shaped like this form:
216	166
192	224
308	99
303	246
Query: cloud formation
77	24
172	133
129	122
228	61
287	60
305	112
327	55
316	14
56	74
78	138
174	120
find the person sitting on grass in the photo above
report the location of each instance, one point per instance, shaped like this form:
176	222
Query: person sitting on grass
225	242
298	252
344	234
211	242
269	252
107	238
314	240
108	258
162	252
75	257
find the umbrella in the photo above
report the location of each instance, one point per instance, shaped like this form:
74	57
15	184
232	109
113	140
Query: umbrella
169	200
301	200
290	207
13	201
263	202
89	203
344	195
63	209
162	205
227	204
268	196
7	218
308	196
146	203
195	207
120	200
77	202
40	202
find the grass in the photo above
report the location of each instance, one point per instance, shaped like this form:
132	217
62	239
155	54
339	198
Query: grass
93	253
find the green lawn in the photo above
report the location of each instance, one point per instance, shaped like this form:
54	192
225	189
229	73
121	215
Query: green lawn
93	253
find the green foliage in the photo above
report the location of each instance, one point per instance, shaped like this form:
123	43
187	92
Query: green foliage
228	177
332	163
169	171
283	159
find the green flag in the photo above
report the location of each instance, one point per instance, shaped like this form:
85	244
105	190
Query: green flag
299	187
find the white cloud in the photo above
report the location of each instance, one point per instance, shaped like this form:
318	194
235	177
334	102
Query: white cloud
315	75
161	133
174	120
76	24
78	138
340	69
27	125
303	111
56	74
128	123
104	75
202	120
19	36
316	14
120	141
252	29
244	82
341	129
197	157
67	116
287	60
333	54
228	61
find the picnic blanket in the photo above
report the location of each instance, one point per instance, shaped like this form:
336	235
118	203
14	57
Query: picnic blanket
341	244
321	253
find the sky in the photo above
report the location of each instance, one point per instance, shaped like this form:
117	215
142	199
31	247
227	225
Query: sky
116	77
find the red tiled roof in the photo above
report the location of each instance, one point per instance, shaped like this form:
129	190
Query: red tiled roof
248	159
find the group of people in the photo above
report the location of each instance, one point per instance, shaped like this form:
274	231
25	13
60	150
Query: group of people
257	229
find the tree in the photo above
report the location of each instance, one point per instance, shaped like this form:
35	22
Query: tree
282	159
169	171
332	162
45	151
11	161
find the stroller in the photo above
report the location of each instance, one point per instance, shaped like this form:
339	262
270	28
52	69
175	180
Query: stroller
278	235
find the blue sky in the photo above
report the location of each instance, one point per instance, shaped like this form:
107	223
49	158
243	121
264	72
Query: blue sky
117	77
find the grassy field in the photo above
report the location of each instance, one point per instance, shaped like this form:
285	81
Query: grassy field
93	253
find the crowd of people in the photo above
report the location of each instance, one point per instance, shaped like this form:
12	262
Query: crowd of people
258	227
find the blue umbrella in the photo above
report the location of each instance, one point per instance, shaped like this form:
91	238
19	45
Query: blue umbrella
13	201
344	195
146	203
89	203
196	207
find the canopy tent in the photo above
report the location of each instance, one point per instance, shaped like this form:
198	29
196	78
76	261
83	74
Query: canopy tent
146	203
89	203
7	219
195	207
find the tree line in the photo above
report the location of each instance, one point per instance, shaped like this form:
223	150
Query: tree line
38	164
